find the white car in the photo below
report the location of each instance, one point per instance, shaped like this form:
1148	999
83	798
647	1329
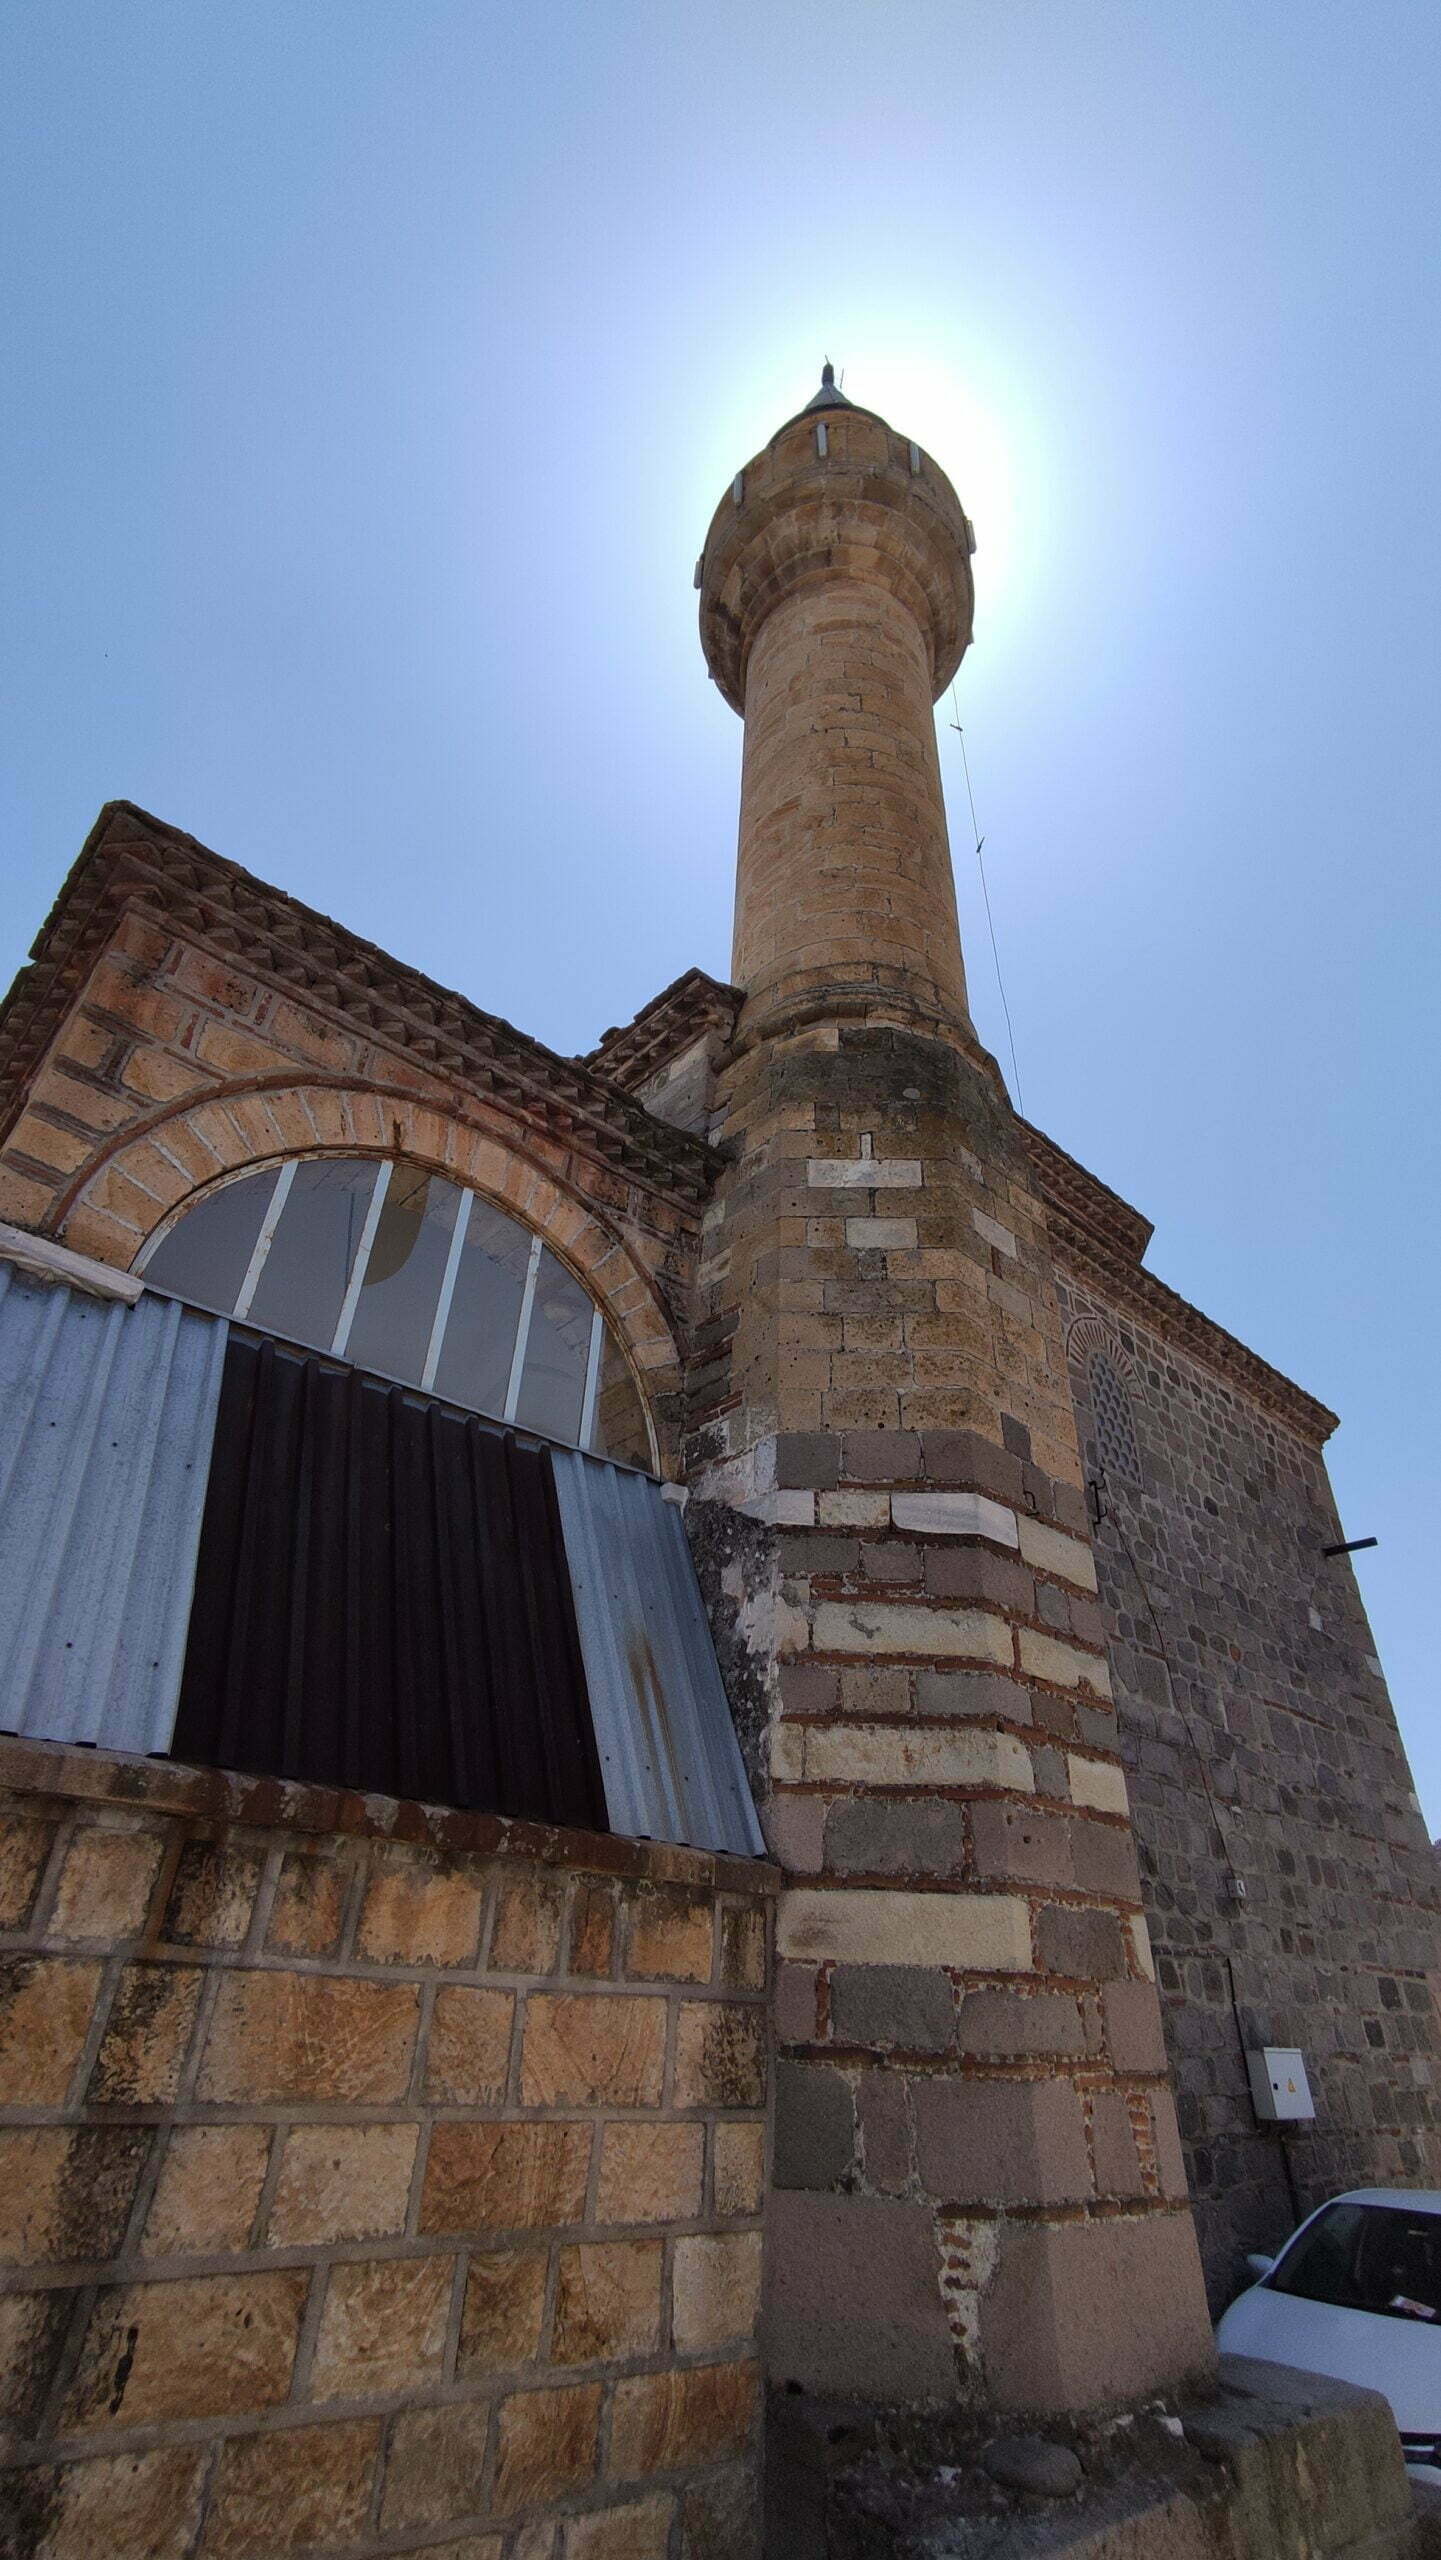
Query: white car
1356	2293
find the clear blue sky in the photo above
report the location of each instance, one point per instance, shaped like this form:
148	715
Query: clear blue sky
373	366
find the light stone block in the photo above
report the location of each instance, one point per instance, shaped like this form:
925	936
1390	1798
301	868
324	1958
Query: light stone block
893	1628
958	1515
1141	1948
853	1510
1054	1552
869	1173
880	1235
993	1232
1063	1664
1098	1784
892	1755
788	1754
970	1932
782	1510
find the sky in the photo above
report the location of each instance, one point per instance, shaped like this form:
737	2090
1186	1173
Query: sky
374	367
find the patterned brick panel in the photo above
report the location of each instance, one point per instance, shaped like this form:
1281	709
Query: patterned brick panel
364	2195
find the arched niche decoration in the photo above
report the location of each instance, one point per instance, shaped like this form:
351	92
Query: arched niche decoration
1097	1351
141	1190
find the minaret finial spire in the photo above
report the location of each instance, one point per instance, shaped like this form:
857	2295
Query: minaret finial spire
828	397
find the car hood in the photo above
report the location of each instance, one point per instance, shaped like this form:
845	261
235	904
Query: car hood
1399	2358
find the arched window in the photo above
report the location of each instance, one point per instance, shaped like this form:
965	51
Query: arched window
403	1273
1116	1443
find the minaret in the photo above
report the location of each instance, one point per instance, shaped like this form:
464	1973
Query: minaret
837	606
977	2186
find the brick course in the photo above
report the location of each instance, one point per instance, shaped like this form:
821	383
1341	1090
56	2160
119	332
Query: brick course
418	2239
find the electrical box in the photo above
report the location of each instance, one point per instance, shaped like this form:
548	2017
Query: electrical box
1280	2090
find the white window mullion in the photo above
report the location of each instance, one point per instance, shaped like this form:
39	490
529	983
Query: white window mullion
522	1332
447	1290
357	1276
266	1237
592	1378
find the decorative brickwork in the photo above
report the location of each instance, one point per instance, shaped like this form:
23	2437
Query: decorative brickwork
362	2194
1262	1754
180	1020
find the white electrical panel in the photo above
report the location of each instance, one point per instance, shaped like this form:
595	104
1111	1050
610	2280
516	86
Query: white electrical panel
1280	2090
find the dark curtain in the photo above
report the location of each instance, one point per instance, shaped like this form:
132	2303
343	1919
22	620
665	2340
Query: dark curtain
382	1600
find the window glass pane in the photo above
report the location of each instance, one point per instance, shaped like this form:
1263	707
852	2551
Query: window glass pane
303	1283
479	1339
1368	2258
401	1288
553	1380
620	1430
207	1255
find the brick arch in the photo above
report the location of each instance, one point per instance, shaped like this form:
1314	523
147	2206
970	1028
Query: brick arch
1112	1386
1089	1334
147	1178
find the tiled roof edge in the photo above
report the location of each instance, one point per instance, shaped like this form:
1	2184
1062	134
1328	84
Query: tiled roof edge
133	858
682	1013
1100	1238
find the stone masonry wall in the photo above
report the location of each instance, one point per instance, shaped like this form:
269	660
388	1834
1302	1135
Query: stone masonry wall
364	2193
978	2190
1260	1745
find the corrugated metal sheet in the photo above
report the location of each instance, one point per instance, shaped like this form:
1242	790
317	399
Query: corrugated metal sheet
668	1749
106	1418
382	1599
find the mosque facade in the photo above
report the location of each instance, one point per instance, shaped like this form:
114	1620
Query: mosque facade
672	1731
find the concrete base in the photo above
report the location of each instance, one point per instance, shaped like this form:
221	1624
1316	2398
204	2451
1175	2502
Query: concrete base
1277	2465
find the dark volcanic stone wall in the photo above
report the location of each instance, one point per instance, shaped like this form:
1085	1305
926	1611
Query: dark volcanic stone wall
1261	1748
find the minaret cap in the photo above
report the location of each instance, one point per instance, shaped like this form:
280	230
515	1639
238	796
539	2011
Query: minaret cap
836	493
828	397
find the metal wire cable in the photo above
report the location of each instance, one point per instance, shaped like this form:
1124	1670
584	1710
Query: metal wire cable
986	895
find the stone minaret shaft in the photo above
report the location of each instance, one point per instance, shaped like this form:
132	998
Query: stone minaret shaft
977	2183
834	624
